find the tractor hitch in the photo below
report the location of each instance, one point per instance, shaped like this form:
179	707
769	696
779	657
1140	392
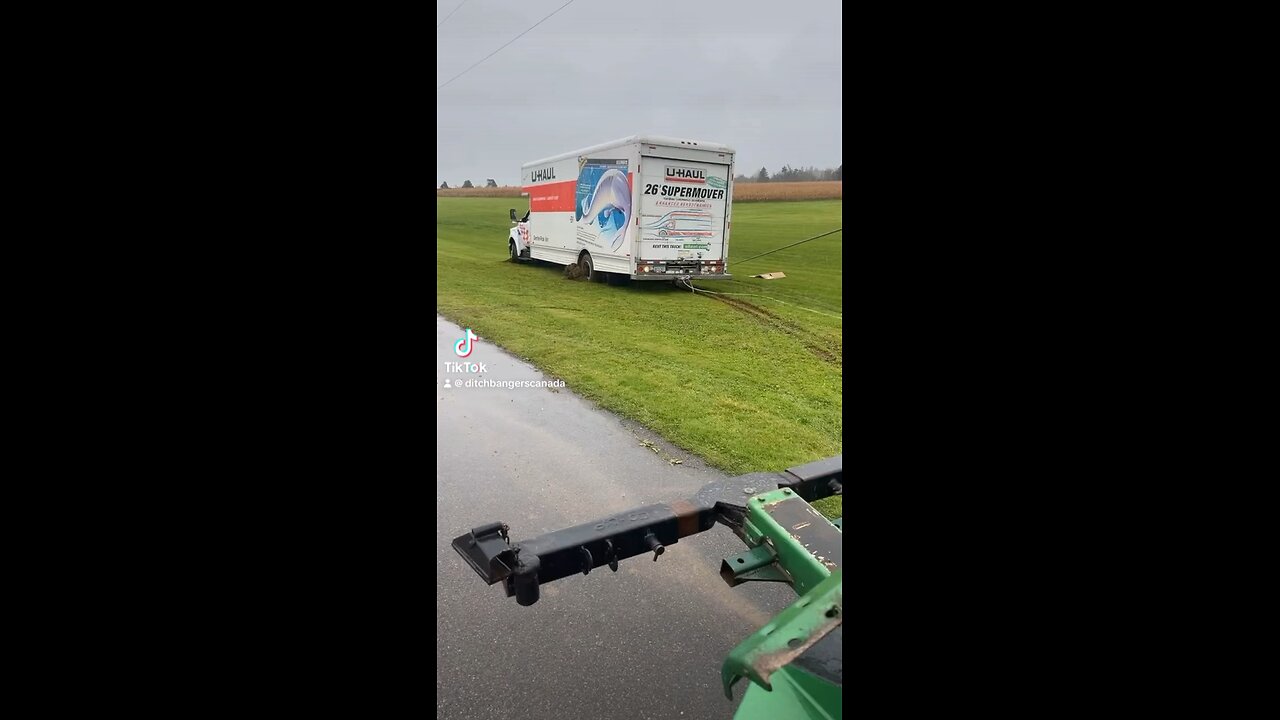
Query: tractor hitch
522	567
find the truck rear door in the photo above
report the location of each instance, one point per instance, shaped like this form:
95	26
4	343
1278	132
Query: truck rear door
682	210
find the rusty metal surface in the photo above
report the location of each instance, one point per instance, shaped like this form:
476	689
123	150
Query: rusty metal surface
825	658
809	528
686	517
789	635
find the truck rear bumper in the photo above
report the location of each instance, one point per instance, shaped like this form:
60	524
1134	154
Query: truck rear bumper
673	276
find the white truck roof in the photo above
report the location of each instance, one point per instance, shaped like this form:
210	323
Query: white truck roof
650	139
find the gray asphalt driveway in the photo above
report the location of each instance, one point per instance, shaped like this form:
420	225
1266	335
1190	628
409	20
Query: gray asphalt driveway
646	642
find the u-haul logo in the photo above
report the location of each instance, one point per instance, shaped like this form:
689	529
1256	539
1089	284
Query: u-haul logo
687	175
547	173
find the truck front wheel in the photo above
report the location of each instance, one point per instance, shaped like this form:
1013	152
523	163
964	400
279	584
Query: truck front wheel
515	256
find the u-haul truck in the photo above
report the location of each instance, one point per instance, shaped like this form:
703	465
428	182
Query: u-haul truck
645	208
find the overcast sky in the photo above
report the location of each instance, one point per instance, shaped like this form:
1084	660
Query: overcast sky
762	76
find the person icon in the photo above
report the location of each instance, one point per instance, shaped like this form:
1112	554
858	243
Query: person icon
446	383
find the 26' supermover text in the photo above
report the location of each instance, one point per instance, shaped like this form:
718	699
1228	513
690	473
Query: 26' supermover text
683	192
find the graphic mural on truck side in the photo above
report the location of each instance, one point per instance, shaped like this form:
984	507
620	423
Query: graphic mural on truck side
603	203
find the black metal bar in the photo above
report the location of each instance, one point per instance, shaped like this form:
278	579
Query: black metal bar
522	567
816	480
610	539
488	551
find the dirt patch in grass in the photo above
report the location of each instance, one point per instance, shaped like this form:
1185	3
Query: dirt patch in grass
802	336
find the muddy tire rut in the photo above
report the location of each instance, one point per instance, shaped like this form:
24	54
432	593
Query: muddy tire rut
826	353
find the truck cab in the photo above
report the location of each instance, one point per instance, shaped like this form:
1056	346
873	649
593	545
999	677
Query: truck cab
518	239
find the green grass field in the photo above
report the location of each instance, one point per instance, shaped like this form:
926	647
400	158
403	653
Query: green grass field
745	382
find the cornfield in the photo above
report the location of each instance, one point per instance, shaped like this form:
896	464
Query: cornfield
742	192
819	190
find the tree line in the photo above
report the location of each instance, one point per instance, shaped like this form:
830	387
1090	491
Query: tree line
467	183
790	174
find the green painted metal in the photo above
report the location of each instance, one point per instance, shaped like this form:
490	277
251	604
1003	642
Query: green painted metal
805	568
795	694
789	633
806	555
755	564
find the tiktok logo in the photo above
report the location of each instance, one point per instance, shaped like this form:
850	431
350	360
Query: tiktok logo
463	348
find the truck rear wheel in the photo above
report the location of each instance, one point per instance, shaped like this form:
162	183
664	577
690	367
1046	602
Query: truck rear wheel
589	269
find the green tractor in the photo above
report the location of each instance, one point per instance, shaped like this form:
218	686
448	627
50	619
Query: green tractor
795	662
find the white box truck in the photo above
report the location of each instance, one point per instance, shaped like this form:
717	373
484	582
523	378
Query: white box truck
645	208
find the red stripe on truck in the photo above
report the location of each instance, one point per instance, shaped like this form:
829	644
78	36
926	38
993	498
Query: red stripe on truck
551	197
558	196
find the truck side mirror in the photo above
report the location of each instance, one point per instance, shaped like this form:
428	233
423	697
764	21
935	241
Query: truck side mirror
513	214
